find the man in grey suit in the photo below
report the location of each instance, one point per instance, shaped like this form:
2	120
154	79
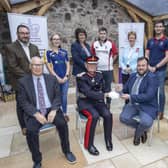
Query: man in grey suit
18	55
39	97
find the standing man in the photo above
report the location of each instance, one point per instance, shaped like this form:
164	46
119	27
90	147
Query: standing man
18	55
106	51
39	97
157	53
141	91
91	104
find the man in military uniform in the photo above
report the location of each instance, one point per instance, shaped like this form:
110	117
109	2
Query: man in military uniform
91	104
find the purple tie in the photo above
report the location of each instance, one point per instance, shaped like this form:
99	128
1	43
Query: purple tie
41	99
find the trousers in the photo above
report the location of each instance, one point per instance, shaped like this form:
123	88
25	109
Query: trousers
32	135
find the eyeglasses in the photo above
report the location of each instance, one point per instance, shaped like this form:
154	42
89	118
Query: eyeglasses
37	65
159	26
57	39
24	33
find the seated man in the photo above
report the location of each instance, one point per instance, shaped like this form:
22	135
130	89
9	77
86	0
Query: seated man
39	96
141	91
91	104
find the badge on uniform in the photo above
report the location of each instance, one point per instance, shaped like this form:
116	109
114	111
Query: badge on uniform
93	80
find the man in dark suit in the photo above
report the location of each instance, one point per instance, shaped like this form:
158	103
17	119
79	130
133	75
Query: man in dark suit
141	91
18	55
39	97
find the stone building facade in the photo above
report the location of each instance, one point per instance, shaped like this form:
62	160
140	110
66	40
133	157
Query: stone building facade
66	15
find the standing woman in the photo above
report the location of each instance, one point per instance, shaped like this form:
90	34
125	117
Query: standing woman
129	56
59	66
80	50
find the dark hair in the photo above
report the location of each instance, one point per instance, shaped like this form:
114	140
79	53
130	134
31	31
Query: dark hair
143	58
158	21
80	30
132	33
102	29
22	25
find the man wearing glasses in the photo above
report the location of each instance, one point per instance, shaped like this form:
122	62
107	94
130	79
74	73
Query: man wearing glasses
39	97
18	55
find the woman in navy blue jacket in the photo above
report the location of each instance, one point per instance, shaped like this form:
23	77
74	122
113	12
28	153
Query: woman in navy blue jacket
80	50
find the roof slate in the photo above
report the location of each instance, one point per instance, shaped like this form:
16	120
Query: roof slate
152	7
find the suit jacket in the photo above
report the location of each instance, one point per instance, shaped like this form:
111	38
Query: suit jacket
91	90
124	59
27	97
147	97
78	57
17	61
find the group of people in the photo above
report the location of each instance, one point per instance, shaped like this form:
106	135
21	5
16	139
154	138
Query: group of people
42	98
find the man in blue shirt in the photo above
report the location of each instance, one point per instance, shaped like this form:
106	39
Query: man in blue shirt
157	53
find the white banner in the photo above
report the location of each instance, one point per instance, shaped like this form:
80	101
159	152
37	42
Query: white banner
124	29
37	26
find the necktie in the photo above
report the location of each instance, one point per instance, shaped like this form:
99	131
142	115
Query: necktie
41	99
135	87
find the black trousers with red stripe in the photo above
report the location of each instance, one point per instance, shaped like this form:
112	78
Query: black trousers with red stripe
93	112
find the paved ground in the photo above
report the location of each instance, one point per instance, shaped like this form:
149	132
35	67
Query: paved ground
14	152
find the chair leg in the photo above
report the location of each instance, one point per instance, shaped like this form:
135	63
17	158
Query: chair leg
80	132
77	120
125	131
150	135
158	124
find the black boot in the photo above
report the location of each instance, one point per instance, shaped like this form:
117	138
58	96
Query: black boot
136	141
109	145
92	150
144	137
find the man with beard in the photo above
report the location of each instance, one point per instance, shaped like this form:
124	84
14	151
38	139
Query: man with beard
141	91
157	53
18	56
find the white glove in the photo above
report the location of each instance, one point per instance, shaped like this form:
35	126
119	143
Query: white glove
113	95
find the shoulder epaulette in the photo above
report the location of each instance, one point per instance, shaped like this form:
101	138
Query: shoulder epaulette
99	71
81	74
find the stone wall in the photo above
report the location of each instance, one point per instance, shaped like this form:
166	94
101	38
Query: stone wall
4	31
66	15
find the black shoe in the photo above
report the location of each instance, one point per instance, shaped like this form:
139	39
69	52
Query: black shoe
37	165
109	145
70	157
144	137
136	141
92	150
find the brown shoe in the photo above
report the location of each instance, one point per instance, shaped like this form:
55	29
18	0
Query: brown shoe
161	116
